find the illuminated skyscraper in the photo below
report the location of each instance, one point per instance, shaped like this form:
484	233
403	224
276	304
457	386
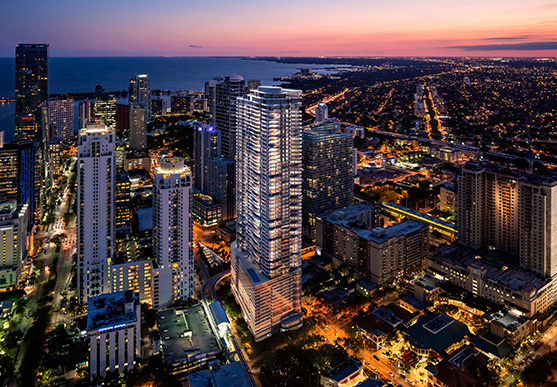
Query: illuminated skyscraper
105	111
95	210
60	113
266	257
140	93
20	176
327	171
27	127
321	112
31	77
123	199
206	146
172	232
13	233
224	106
514	212
138	128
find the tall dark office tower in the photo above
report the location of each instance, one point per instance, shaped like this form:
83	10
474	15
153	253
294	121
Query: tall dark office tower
267	255
327	171
123	199
105	110
140	93
226	93
21	176
27	127
220	184
206	146
138	128
31	77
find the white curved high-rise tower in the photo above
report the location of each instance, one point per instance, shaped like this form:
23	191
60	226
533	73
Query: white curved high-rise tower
266	257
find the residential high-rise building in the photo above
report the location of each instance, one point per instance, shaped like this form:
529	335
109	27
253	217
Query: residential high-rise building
266	257
9	166
86	113
172	232
21	180
114	330
122	118
60	113
220	184
321	112
95	210
123	202
537	228
31	77
181	104
226	94
206	146
27	127
327	171
511	211
140	93
13	232
211	95
471	220
382	255
138	128
159	107
253	84
105	111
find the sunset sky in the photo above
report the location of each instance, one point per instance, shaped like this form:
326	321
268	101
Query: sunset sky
282	27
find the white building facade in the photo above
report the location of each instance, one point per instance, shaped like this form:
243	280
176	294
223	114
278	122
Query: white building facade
266	257
95	213
172	232
13	232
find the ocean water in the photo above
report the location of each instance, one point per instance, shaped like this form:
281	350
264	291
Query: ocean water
173	73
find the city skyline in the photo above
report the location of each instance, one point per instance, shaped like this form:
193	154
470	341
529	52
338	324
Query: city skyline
426	28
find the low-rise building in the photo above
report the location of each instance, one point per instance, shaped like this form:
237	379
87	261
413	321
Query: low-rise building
187	340
459	370
347	374
491	275
114	330
509	326
227	375
205	210
384	320
437	333
425	288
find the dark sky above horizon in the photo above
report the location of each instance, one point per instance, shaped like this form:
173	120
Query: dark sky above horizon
282	28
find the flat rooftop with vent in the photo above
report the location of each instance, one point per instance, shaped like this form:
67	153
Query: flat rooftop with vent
187	340
107	311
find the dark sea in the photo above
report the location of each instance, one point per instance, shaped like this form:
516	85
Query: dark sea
113	73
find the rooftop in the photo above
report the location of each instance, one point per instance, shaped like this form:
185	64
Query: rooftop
383	234
498	267
369	382
461	369
111	310
508	320
145	218
428	282
348	214
186	335
228	375
344	370
436	332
